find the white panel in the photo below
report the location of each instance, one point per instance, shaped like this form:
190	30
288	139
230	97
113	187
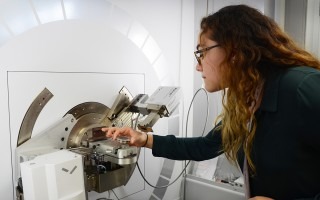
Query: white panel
138	34
204	169
163	21
57	175
49	10
312	37
84	9
279	12
151	49
121	20
159	67
217	4
18	15
197	188
6	173
4	34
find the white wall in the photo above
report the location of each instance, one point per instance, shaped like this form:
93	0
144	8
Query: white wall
312	39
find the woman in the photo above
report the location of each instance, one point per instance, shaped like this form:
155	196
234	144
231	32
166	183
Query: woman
270	122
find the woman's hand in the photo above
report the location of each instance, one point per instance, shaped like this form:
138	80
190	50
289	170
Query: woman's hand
260	198
138	139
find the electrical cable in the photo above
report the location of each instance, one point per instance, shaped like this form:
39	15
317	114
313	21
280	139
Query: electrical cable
115	195
184	169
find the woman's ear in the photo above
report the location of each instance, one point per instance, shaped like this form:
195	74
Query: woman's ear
233	56
233	59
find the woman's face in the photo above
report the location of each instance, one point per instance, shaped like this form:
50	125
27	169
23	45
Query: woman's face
210	64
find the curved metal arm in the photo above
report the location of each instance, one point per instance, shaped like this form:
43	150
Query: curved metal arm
31	116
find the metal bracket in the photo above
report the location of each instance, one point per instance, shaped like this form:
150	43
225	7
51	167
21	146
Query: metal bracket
31	116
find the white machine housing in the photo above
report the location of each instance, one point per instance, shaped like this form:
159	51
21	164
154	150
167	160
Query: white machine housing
57	175
73	156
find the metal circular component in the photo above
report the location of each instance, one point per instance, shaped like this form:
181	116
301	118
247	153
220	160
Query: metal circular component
89	115
123	139
88	107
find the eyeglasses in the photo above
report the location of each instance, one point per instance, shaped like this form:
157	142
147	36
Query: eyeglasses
199	54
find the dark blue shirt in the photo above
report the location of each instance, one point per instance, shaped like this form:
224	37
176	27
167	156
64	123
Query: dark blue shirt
286	147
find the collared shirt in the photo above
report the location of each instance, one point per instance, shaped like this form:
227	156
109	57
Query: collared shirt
286	147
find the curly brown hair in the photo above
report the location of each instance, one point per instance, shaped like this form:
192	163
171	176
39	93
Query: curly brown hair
257	45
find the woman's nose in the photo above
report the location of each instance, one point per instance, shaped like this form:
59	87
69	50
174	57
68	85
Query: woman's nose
198	67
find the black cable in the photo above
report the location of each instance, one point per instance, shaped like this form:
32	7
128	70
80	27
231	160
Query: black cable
164	186
184	169
115	195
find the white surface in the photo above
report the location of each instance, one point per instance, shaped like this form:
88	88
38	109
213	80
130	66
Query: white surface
18	16
217	4
312	38
208	190
167	96
54	176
